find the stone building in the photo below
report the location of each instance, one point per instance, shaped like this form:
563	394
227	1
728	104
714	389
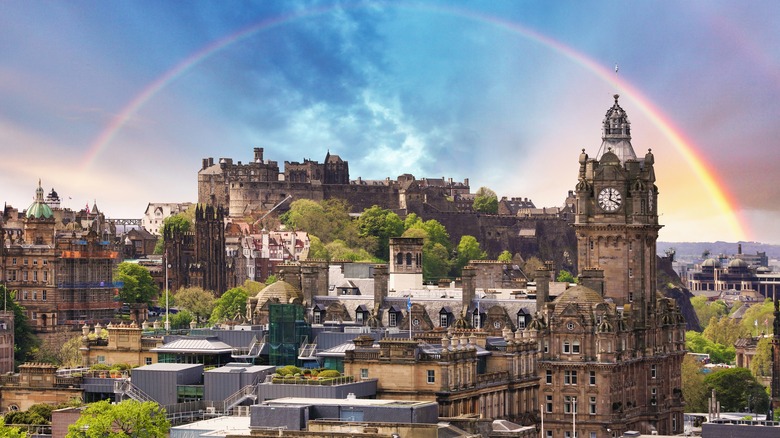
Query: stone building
63	273
6	342
36	383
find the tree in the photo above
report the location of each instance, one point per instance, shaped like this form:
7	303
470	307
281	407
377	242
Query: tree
761	364
177	223
485	201
70	353
468	249
758	318
381	224
199	302
693	389
181	319
25	342
719	353
128	418
270	280
565	276
338	250
230	304
436	257
736	389
138	287
706	309
724	330
505	256
10	432
317	249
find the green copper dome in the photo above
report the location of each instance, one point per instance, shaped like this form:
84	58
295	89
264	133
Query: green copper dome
39	209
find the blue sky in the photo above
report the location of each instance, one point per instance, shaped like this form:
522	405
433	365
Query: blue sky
497	92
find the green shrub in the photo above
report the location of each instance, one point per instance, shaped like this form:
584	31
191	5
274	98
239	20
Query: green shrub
328	373
288	370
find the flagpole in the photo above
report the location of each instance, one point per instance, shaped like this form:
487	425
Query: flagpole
409	311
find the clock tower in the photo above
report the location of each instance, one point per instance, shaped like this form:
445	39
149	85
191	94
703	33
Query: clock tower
616	219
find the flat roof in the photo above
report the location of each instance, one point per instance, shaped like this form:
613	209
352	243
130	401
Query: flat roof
236	367
218	426
168	367
347	401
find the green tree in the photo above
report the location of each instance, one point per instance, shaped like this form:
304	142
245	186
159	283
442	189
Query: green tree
719	353
468	249
758	318
436	257
736	389
317	249
338	250
128	418
761	364
706	309
693	389
180	222
200	303
271	279
505	256
485	201
180	320
724	330
159	246
138	287
381	224
10	432
230	304
70	353
565	276
25	341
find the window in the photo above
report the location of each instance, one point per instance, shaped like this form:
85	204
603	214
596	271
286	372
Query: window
653	399
35	295
35	261
630	245
630	297
475	320
25	261
24	276
443	320
26	295
13	261
317	317
652	372
392	319
567	404
45	276
592	408
34	316
549	377
364	373
575	348
101	359
546	347
548	404
43	295
359	317
148	360
521	321
35	275
593	435
431	376
630	273
674	423
549	434
566	347
570	377
45	262
592	378
591	244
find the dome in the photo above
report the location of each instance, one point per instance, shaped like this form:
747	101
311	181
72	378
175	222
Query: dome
281	290
580	295
38	209
616	135
738	263
710	263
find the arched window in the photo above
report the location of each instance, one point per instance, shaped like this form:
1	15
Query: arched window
409	259
399	259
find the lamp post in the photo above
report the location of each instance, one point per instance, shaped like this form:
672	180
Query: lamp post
167	322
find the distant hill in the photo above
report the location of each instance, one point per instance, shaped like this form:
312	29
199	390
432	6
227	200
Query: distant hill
695	249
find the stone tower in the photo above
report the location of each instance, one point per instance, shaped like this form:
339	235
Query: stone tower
616	217
406	270
39	221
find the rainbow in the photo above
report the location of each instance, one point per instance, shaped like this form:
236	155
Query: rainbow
723	201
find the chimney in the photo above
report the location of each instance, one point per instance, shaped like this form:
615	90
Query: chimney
380	285
469	283
593	278
542	279
258	155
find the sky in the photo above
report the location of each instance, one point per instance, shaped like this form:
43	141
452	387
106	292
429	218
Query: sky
118	102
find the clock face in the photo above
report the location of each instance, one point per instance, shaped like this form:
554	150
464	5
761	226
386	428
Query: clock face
609	199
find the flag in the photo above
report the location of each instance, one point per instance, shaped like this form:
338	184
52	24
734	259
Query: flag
409	304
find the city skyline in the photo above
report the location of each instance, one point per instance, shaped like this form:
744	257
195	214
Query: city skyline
116	103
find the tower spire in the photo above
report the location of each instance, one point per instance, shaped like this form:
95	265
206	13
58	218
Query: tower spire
616	134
